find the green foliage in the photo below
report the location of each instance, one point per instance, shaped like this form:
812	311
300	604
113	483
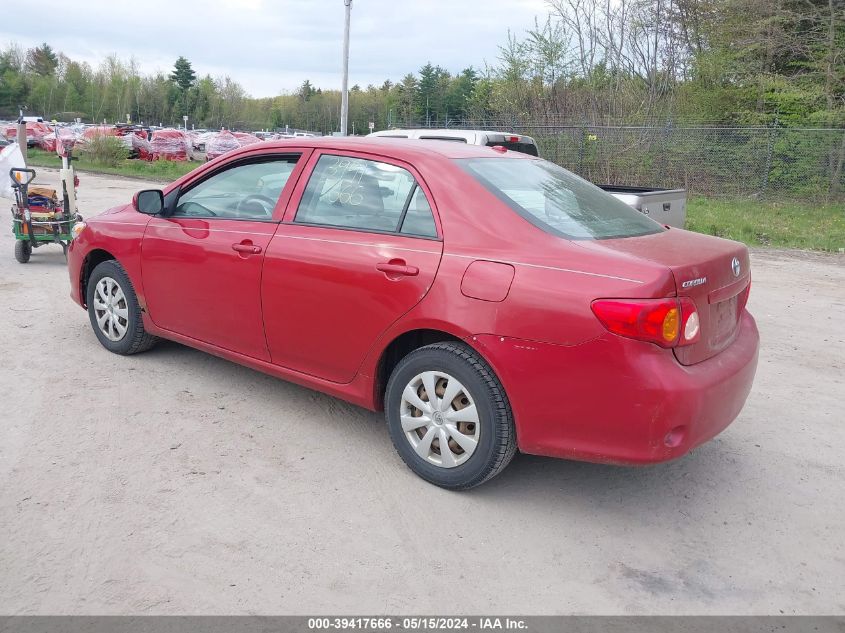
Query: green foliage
41	60
775	224
108	151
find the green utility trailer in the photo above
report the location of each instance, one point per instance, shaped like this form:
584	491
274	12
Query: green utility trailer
38	216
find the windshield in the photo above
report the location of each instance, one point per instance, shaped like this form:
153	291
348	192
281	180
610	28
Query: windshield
558	201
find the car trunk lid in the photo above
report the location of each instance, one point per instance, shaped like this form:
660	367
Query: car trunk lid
714	273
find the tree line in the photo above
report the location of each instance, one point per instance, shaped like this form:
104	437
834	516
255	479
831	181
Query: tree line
745	62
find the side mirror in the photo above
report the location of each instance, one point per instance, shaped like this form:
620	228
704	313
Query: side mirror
149	201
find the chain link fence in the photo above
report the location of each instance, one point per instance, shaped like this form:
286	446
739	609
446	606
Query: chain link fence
765	162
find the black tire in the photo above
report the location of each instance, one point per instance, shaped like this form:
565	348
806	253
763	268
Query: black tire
497	438
23	251
135	339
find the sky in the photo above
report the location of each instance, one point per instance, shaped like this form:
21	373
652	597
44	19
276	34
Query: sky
272	46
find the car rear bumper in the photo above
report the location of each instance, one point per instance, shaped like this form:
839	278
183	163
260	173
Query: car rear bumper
615	400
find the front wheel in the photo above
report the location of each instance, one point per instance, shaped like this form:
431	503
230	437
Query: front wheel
449	417
23	251
114	311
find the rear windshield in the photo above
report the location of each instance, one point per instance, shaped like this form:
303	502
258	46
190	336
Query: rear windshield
522	148
558	201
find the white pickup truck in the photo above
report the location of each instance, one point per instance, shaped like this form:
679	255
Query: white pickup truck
667	206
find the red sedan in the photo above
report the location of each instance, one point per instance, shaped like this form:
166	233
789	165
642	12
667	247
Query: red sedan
487	300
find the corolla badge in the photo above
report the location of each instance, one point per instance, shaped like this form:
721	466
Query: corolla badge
691	283
735	266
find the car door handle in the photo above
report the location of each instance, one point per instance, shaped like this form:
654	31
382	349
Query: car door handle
395	268
246	247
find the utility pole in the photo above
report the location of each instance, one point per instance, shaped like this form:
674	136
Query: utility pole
344	94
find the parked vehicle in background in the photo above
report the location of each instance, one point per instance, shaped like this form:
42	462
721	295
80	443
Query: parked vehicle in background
667	206
514	142
485	299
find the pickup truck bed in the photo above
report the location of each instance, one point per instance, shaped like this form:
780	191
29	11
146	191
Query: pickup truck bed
667	206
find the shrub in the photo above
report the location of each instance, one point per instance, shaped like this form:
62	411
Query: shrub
108	151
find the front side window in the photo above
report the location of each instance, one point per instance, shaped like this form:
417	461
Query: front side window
361	194
245	192
558	201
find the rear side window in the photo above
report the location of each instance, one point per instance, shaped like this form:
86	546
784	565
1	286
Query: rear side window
558	201
418	218
364	194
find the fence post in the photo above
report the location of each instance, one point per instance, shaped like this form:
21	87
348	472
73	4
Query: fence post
581	150
667	130
768	168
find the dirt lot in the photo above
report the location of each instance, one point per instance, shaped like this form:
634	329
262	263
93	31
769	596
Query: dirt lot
175	482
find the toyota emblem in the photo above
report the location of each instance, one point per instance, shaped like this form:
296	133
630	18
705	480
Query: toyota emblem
736	267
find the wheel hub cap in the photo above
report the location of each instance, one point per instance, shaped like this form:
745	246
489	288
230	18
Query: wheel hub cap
439	419
111	309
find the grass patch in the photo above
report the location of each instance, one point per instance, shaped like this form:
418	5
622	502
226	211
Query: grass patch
162	170
788	224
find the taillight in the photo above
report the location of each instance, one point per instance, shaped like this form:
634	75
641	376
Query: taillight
670	322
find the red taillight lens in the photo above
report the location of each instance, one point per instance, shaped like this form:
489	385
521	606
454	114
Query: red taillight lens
665	322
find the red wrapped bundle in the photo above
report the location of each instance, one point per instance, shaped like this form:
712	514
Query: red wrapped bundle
48	141
139	146
220	143
169	144
34	132
98	130
244	138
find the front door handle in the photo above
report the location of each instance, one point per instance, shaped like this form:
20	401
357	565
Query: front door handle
246	247
394	267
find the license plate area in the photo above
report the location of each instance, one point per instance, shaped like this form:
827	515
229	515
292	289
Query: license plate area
723	322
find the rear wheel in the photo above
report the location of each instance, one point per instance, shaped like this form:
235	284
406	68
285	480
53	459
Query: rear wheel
114	311
449	417
23	251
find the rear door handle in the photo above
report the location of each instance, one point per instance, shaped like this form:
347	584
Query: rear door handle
391	268
246	247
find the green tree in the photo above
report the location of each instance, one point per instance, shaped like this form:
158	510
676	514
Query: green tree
41	60
183	74
406	92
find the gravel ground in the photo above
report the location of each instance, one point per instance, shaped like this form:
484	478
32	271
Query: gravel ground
175	482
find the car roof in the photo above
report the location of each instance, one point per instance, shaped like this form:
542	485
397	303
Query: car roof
396	147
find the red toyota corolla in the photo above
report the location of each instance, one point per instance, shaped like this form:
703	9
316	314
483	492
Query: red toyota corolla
485	299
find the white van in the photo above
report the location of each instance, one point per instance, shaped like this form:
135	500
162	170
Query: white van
513	142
